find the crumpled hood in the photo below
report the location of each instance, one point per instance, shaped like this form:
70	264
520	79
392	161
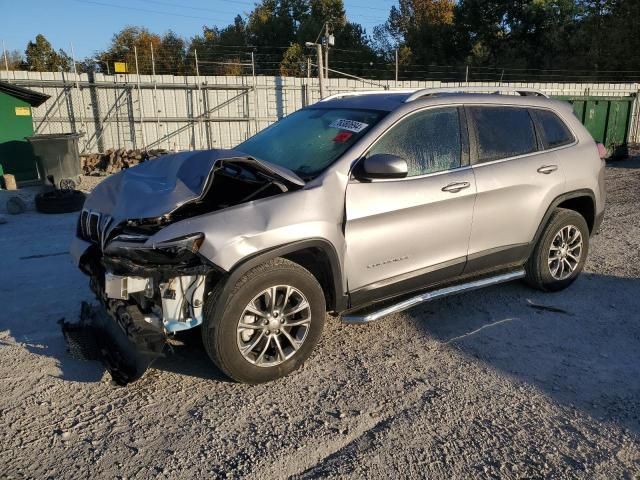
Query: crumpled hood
158	187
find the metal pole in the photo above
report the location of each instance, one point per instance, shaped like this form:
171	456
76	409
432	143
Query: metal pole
83	113
308	92
320	73
6	61
195	52
326	50
466	77
155	93
396	67
140	103
255	93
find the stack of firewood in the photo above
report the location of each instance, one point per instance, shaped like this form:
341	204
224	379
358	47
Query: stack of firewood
114	160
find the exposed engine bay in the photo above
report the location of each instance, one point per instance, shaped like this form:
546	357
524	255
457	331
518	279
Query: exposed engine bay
154	289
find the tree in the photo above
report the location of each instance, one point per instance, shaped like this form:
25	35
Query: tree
423	31
124	44
294	62
41	57
15	60
171	55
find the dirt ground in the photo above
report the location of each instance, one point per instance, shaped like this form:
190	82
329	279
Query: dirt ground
491	384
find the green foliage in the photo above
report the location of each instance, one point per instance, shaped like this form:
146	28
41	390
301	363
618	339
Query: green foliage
294	62
530	39
41	57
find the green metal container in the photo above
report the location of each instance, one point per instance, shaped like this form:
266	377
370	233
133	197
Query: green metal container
607	119
16	123
16	155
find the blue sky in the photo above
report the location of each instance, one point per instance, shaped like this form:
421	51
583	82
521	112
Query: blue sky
90	24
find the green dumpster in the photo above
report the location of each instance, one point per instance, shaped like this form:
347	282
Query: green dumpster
606	118
16	123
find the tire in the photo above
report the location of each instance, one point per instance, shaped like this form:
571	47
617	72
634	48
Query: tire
223	336
553	274
60	201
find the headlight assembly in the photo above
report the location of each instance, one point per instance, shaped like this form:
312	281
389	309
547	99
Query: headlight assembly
181	250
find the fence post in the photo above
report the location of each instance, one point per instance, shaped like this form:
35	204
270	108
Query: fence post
6	62
140	102
396	68
200	114
155	94
84	111
255	93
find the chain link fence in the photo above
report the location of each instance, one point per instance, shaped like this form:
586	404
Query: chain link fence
205	111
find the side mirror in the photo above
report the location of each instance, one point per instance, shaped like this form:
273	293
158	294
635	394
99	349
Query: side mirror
384	165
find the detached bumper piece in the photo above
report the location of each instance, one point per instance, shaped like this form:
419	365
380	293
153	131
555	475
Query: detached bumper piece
149	292
125	353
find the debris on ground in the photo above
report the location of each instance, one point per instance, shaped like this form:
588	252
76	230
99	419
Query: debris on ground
96	336
9	182
16	205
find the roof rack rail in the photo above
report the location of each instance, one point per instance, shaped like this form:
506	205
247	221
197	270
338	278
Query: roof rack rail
355	93
523	91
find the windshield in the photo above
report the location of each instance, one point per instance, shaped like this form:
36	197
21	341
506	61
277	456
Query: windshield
310	140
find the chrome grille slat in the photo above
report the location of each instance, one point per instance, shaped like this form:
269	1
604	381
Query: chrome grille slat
94	226
84	218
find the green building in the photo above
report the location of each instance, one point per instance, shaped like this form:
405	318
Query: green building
16	123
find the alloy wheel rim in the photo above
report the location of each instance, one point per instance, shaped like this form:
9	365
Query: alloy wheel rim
273	326
565	252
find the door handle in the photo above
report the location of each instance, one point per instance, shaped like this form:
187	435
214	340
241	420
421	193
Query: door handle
455	187
547	169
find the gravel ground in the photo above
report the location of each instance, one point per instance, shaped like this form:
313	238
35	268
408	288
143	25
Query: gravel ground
485	385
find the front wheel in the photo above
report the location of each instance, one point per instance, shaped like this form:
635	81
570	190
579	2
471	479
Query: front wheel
269	325
561	252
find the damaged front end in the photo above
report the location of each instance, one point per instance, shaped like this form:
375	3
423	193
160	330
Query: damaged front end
153	289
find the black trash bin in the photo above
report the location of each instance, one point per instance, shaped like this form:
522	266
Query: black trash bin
58	158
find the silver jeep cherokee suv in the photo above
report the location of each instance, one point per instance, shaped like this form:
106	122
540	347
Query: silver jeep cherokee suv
362	204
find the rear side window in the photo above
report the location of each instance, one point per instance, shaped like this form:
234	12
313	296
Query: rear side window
554	132
429	141
502	132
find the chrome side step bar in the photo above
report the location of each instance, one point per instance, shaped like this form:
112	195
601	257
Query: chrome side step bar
433	295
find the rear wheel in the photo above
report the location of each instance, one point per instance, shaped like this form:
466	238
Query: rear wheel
561	252
269	325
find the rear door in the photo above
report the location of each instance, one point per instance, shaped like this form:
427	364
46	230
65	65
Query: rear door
404	233
516	180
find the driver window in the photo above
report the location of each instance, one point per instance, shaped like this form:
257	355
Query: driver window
429	141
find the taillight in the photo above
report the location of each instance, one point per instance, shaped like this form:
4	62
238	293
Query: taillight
602	151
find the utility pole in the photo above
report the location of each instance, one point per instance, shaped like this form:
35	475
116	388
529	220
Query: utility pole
320	73
321	76
326	50
308	92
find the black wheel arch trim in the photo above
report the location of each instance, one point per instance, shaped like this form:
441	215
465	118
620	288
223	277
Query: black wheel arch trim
340	299
554	204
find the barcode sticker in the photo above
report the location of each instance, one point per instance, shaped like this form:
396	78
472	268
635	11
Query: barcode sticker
351	125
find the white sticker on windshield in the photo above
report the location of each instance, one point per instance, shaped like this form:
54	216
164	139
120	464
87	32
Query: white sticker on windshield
351	125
